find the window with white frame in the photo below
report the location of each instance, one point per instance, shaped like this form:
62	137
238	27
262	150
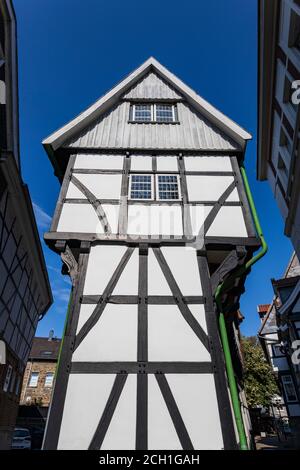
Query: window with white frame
166	187
49	379
154	112
289	388
142	112
34	379
141	187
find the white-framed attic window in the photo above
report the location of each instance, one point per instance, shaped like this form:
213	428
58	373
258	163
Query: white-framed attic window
153	112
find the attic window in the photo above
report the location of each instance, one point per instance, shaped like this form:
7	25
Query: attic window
154	112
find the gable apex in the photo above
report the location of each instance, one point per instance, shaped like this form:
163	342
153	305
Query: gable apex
152	87
102	105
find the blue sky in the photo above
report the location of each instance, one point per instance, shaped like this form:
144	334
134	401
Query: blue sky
73	51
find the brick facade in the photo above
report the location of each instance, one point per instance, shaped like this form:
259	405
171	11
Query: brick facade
42	361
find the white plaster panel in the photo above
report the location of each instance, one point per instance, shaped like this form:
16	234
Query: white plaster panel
102	263
183	264
167	164
141	163
170	338
82	218
211	163
154	220
209	188
128	282
157	283
113	338
86	398
99	162
122	429
73	192
195	395
161	430
198	311
102	186
86	311
79	218
229	221
112	215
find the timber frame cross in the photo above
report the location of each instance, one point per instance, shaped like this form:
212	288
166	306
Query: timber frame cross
142	367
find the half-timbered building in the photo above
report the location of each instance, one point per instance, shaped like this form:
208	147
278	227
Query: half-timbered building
152	216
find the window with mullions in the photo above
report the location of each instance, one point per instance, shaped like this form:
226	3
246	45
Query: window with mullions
289	388
141	187
154	112
142	112
168	188
164	113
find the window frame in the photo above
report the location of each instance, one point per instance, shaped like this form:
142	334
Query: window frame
37	379
52	378
157	198
164	104
284	376
142	104
153	111
141	198
154	187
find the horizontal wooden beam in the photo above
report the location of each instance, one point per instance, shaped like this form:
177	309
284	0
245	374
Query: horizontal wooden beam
141	367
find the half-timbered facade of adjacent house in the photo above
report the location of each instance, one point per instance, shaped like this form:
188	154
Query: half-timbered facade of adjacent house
152	215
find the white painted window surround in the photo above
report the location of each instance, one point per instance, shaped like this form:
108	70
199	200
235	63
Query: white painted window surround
154	112
166	188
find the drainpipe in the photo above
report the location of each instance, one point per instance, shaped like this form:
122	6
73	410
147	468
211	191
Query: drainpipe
64	333
222	325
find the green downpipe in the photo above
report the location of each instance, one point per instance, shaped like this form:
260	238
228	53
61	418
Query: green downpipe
222	325
64	332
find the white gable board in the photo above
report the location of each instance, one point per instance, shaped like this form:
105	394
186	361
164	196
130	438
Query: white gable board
113	131
152	87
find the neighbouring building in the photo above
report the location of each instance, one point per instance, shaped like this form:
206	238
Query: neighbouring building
25	293
278	116
279	336
152	216
40	370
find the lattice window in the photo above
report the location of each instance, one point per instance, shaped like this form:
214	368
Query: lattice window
168	188
142	112
289	388
141	187
164	113
154	112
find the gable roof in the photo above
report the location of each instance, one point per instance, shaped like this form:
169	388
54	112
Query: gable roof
45	349
83	120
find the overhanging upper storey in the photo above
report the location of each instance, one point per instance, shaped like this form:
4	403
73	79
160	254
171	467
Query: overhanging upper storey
150	109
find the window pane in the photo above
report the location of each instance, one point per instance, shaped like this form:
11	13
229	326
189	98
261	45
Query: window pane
49	379
34	379
141	187
168	187
164	113
142	112
289	388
